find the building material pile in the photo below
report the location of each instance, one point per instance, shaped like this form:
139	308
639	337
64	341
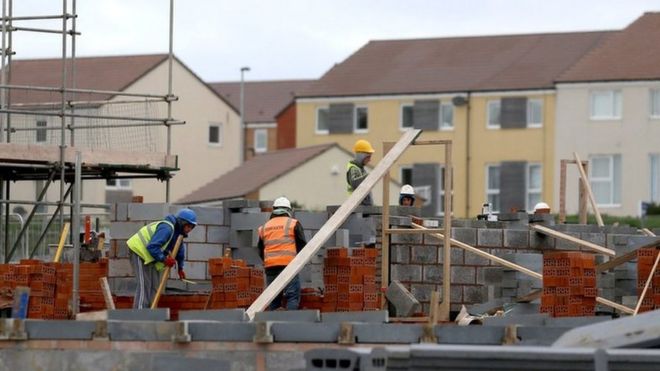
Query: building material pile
234	284
350	281
569	284
645	259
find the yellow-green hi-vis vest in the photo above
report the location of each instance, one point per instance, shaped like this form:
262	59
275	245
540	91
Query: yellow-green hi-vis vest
349	188
139	241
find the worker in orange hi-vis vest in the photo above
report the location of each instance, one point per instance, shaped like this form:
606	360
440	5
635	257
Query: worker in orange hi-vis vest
280	239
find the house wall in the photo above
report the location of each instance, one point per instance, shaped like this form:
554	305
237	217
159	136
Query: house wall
286	127
635	136
249	139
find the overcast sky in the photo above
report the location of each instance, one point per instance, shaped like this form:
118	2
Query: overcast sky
294	39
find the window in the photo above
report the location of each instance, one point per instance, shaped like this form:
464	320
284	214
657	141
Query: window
361	120
118	184
406	116
425	193
322	120
655	103
605	105
655	178
42	134
406	174
605	179
260	140
215	134
441	193
493	186
493	120
534	185
534	113
446	116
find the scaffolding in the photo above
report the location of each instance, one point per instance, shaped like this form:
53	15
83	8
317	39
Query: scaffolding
75	110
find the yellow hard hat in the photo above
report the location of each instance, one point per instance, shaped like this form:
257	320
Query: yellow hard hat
363	146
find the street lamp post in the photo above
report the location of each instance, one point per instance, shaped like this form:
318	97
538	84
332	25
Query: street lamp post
242	108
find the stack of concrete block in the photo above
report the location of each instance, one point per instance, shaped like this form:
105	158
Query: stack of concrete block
516	284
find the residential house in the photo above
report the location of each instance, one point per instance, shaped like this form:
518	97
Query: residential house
206	145
263	100
311	177
492	96
608	111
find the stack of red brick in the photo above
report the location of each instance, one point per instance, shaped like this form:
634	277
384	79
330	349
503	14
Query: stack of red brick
569	284
234	284
645	259
350	281
91	294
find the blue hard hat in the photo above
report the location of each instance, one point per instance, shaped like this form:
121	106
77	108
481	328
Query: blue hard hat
187	216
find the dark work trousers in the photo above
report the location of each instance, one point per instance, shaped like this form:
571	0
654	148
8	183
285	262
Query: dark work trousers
291	291
148	279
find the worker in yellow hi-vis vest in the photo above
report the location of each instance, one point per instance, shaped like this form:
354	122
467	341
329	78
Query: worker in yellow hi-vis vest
355	172
150	250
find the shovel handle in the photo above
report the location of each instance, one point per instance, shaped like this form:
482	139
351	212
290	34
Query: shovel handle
166	274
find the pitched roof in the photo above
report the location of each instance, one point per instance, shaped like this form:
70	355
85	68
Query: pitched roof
631	54
263	99
113	73
455	64
254	173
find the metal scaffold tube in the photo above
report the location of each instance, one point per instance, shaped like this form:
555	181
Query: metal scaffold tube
170	59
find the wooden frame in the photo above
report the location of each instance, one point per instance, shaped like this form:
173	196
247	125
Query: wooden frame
562	193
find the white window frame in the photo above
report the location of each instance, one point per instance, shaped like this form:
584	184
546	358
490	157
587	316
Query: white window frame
316	124
44	131
616	104
128	184
528	188
443	106
355	120
655	177
531	124
492	191
654	109
220	132
401	116
258	132
608	179
488	104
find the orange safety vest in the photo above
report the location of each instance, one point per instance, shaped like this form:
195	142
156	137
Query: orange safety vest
279	241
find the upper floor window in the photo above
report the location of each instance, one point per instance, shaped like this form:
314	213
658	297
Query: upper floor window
405	175
322	114
118	184
215	134
514	113
493	120
406	116
534	113
361	120
605	179
655	103
41	134
606	105
534	185
493	186
260	140
446	116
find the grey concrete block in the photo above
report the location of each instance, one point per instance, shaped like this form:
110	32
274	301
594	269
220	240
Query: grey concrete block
410	239
170	362
136	330
597	238
217	234
246	238
463	275
203	251
472	335
514	239
342	238
309	332
474	294
120	268
422	292
59	330
239	204
537	319
540	241
491	306
148	212
489	237
194	270
489	275
423	254
209	215
474	259
400	254
567	245
432	273
376	316
571	322
158	314
404	302
121	212
220	315
387	333
406	273
400	221
124	230
540	335
249	254
311	220
289	316
466	235
242	221
122	285
457	256
197	235
222	331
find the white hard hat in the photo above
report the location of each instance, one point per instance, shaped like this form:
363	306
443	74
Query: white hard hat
281	202
541	206
407	189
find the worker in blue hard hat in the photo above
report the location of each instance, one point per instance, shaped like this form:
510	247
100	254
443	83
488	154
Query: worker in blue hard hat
150	252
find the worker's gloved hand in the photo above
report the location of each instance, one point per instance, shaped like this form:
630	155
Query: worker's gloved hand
182	274
169	261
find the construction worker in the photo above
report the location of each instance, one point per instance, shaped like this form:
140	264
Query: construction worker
355	172
280	239
541	208
407	195
150	252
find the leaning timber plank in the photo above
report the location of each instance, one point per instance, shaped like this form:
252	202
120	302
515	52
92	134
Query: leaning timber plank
484	254
587	186
648	232
625	257
533	295
646	285
611	304
332	224
563	236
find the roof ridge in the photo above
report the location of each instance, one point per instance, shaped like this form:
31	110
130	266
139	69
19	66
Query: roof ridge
92	57
492	36
261	81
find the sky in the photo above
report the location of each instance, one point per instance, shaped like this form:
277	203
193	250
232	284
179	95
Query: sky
297	39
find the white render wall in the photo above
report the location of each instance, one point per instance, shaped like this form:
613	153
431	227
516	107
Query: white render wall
634	137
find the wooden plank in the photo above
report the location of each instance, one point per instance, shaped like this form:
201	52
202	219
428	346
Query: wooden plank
582	198
446	251
611	304
533	295
107	296
616	261
486	255
562	192
587	186
433	308
60	245
563	236
166	274
385	238
648	232
334	222
647	284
